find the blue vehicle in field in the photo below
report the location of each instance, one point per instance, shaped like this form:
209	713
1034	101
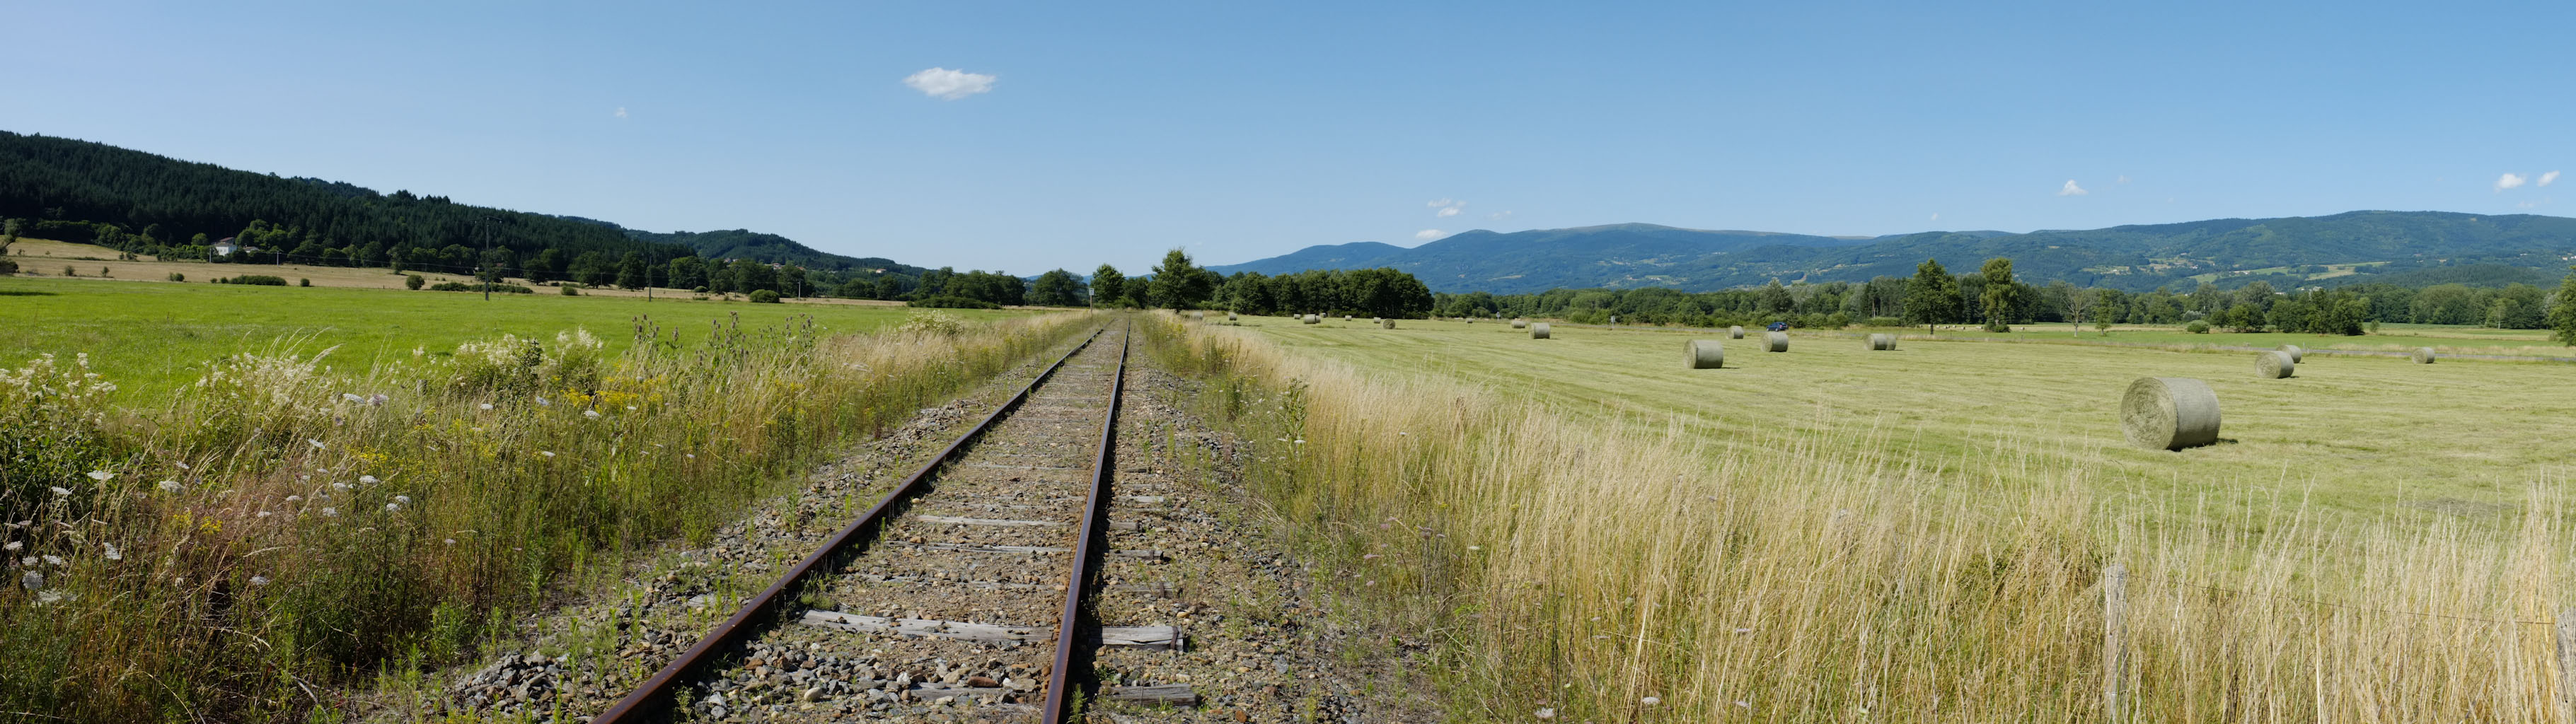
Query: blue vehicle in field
1779	326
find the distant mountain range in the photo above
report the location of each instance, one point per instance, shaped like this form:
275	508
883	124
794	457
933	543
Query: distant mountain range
2409	247
757	246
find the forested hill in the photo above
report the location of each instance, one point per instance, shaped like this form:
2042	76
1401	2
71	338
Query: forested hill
2355	247
92	192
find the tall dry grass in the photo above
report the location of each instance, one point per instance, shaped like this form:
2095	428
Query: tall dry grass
1584	572
283	526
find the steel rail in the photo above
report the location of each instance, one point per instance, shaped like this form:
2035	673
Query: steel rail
654	696
1068	639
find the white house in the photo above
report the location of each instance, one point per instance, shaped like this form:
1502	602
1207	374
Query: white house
225	247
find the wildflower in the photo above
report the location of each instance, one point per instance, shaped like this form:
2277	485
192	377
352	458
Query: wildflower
592	414
1547	712
259	580
351	397
53	560
294	498
169	486
486	406
541	402
59	490
112	553
451	541
630	408
378	399
403	499
342	486
547	453
101	475
1301	441
184	466
1744	630
32	580
692	456
330	512
13	547
1741	703
27	561
317	444
1472	549
265	514
1650	701
50	597
368	479
1369	557
393	507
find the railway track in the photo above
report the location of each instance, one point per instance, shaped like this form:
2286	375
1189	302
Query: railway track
954	592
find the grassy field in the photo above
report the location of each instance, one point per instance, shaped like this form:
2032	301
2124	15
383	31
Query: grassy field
1580	529
153	337
2359	433
2448	339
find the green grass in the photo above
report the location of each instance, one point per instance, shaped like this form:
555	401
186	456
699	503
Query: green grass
152	338
2389	338
2359	433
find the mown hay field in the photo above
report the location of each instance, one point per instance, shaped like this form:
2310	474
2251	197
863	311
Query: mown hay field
153	337
2361	433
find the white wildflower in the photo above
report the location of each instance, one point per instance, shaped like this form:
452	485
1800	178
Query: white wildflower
294	498
317	444
32	580
592	414
451	541
101	475
342	486
403	499
692	456
330	512
50	597
53	560
547	453
112	553
485	406
184	466
264	514
259	580
169	486
368	479
59	490
541	402
350	397
1650	701
27	561
1742	703
1547	712
393	507
13	547
1472	549
630	408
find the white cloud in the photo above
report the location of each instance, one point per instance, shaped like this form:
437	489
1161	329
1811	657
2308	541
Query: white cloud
2072	189
945	84
1936	216
1499	215
2546	178
1448	207
2124	178
1429	234
621	111
1438	204
1450	211
2511	180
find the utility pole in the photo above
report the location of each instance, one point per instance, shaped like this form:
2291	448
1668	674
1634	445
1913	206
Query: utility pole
480	264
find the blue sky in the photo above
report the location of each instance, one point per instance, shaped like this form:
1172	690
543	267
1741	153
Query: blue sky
1245	130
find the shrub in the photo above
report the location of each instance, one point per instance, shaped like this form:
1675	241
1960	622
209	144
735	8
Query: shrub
699	289
464	287
1885	322
764	297
257	280
8	266
2196	327
303	282
570	292
69	271
413	281
178	277
102	273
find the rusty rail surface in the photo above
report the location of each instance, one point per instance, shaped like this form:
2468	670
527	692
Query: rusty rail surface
1062	680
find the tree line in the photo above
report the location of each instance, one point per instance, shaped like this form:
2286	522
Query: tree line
1992	296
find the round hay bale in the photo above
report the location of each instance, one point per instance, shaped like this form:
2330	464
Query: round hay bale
2275	365
1229	316
1538	331
1520	324
2424	355
2169	413
1882	342
1198	316
1386	324
1706	354
1736	332
1346	317
1775	342
1614	319
2296	354
1312	319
